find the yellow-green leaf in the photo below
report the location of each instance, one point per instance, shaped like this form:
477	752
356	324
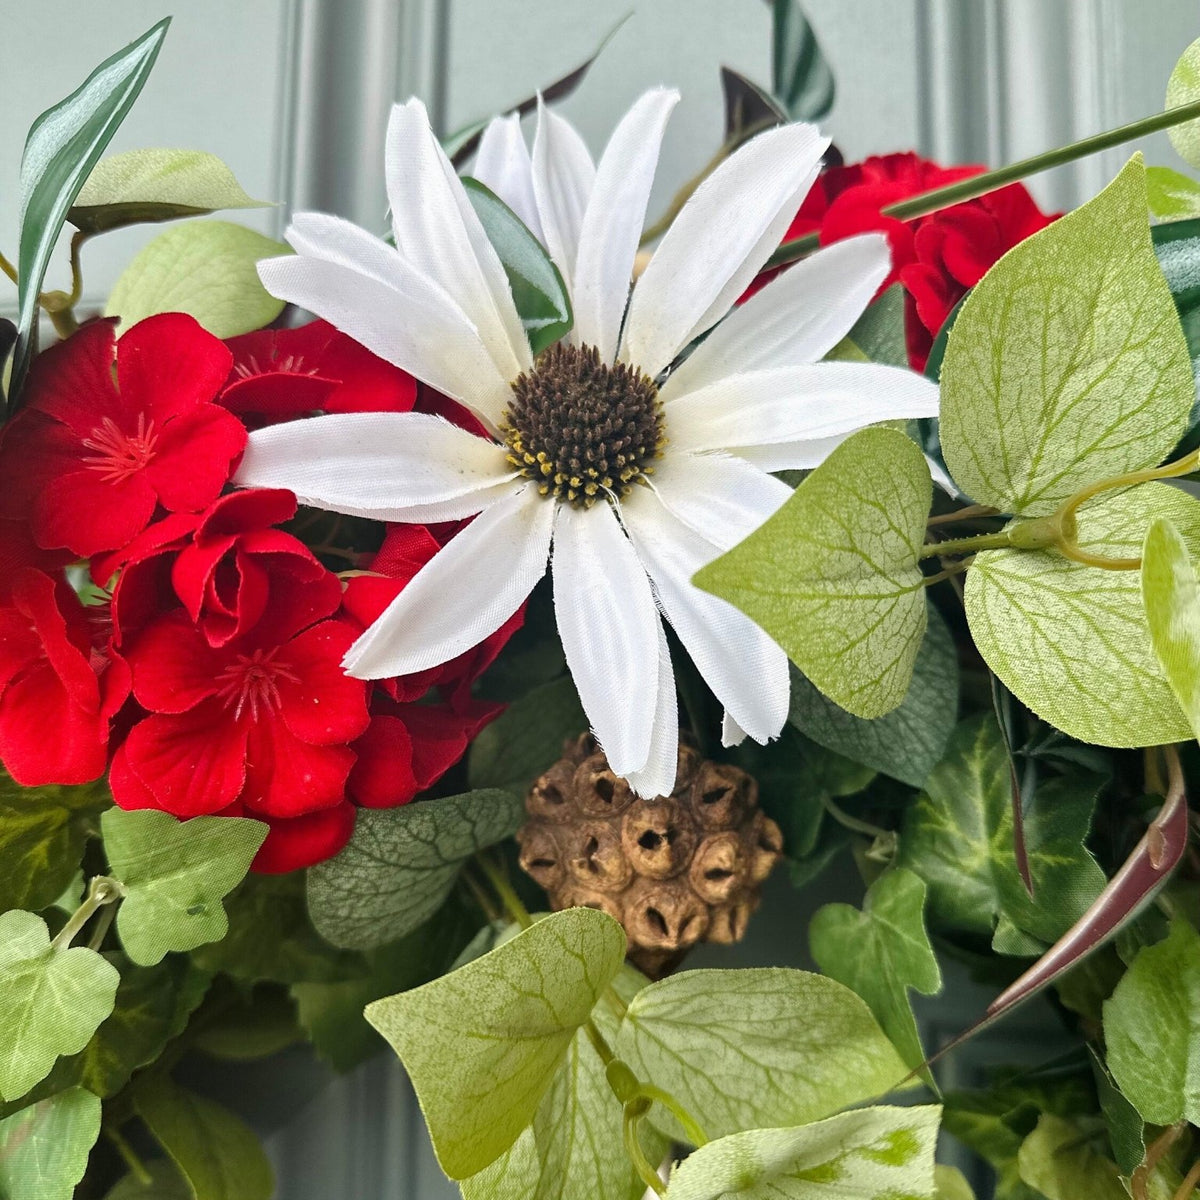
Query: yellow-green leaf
1059	1161
1183	87
44	1148
1172	195
1172	600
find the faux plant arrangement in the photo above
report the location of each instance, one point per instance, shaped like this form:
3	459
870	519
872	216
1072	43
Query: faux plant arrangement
440	670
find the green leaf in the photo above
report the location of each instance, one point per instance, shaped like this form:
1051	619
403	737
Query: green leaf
1172	195
907	742
166	1183
872	1154
482	1044
951	1184
1126	1129
833	575
256	1024
401	863
574	1146
755	1048
42	834
63	146
1183	87
1172	600
1058	1160
749	109
1066	363
218	1154
155	185
880	953
1030	612
800	75
1152	1029
44	1148
51	1000
878	334
527	738
207	269
537	287
272	938
175	874
958	837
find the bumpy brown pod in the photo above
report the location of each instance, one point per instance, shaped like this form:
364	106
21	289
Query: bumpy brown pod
675	870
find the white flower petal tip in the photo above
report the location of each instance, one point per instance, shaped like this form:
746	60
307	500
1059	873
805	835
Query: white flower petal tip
657	776
563	177
502	164
732	734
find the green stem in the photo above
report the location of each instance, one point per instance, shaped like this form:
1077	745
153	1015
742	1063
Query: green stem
971	512
967	545
504	890
480	896
101	891
646	1172
136	1167
990	181
8	268
842	817
599	1044
691	1127
103	924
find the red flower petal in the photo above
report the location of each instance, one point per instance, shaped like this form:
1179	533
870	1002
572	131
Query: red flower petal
286	777
194	456
73	381
84	513
168	364
383	775
300	842
174	668
320	703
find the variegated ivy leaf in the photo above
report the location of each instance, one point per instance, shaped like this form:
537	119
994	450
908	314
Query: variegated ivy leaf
52	998
175	874
755	1048
44	1148
1067	363
833	575
483	1043
1172	600
872	1154
1070	640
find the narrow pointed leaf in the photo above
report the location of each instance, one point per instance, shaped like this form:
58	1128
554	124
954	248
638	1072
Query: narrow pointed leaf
749	109
801	76
401	863
1045	387
51	1000
833	575
63	146
483	1043
44	1148
537	287
175	874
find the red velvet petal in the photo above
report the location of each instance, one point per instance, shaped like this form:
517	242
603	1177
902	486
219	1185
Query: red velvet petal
241	512
369	384
61	626
45	737
440	735
34	450
20	645
85	514
157	538
286	777
294	604
322	705
73	381
18	549
174	668
383	775
194	457
300	842
168	364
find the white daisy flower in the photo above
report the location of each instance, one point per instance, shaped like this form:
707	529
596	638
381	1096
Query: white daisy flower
623	474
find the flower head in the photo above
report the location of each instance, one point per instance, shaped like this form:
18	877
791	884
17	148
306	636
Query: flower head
637	466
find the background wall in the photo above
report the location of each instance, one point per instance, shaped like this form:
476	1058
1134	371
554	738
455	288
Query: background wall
294	95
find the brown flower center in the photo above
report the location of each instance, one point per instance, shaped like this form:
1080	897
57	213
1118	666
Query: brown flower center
581	428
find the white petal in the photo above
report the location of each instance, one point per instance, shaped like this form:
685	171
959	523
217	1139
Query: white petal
503	164
791	456
378	465
657	777
607	622
724	499
719	242
613	221
795	404
437	230
797	318
415	328
320	235
732	734
745	669
463	594
563	175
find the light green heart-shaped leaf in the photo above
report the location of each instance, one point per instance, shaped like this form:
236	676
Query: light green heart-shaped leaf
44	1148
1066	363
483	1043
755	1048
1070	640
951	1184
1172	195
1172	599
207	269
165	1183
880	953
1152	1029
872	1154
155	185
51	1000
401	863
958	837
907	742
1183	87
833	575
63	146
175	874
1058	1160
217	1152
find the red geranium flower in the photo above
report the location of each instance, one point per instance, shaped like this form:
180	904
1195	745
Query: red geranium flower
17	550
95	454
936	258
265	720
57	693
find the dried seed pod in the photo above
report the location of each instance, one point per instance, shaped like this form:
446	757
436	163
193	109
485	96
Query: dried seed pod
674	870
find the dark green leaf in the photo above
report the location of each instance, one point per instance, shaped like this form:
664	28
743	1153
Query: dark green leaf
63	146
1126	1129
749	109
801	77
905	743
166	1183
1177	244
537	287
879	332
254	1025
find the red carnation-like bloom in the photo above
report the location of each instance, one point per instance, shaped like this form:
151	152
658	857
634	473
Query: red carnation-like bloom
93	456
937	258
58	694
